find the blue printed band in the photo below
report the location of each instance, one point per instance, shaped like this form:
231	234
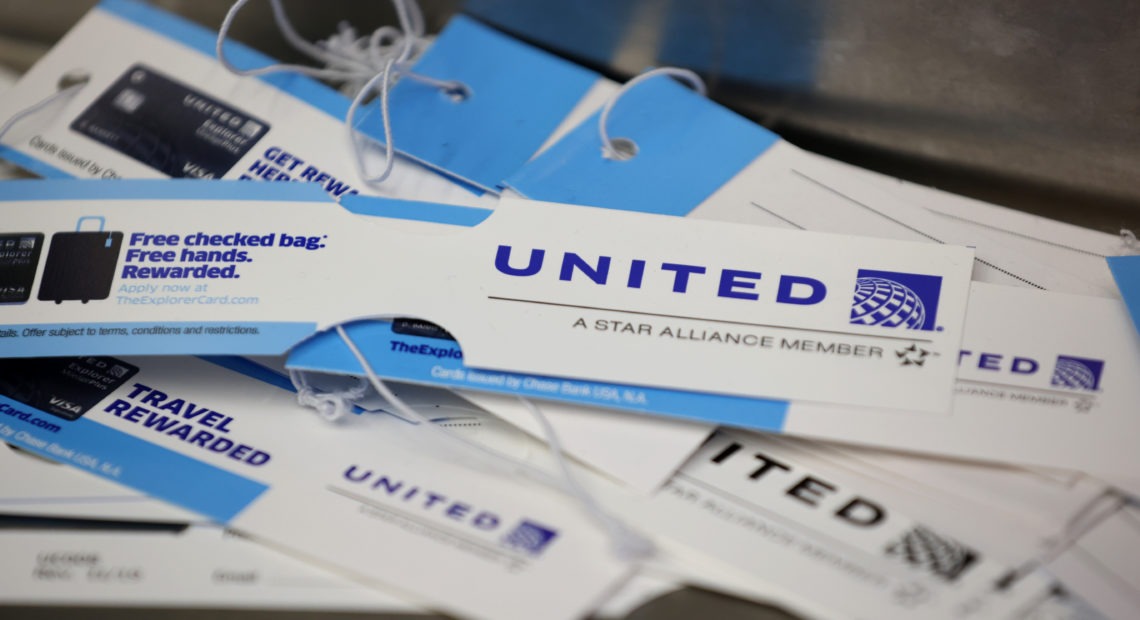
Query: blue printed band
438	361
518	97
215	338
30	164
413	210
1126	271
688	147
158	189
128	460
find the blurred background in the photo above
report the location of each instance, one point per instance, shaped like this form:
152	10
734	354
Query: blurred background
1033	104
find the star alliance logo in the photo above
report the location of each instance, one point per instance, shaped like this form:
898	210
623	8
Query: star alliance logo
895	299
913	355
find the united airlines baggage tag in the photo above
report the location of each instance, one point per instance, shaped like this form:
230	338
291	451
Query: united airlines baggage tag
513	99
794	524
695	158
158	104
1021	364
365	500
240	268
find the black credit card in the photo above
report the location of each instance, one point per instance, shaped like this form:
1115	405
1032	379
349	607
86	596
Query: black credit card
19	258
63	386
169	126
416	327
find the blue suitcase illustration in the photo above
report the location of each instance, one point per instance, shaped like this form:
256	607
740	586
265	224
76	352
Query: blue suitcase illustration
81	264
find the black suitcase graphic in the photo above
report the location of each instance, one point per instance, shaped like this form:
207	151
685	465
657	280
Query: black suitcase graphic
81	264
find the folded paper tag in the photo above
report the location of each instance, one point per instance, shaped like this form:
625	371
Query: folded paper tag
793	522
240	451
1069	387
164	106
183	267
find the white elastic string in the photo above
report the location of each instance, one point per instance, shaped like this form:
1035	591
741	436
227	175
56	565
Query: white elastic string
1103	507
331	406
354	140
345	57
67	91
609	150
628	544
361	64
320	73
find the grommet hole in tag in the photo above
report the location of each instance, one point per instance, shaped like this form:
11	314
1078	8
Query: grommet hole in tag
74	77
624	149
620	149
457	92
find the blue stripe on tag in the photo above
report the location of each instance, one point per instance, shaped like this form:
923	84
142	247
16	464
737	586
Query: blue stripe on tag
256	338
128	460
154	189
414	210
30	164
436	361
688	147
251	369
519	97
1126	271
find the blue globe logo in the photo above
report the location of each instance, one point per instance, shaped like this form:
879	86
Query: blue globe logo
1073	373
879	301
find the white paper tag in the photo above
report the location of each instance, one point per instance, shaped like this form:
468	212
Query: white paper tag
201	567
36	486
795	526
163	106
639	452
791	188
1032	388
1073	249
348	498
741	310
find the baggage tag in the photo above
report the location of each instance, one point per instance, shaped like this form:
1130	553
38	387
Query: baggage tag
158	104
38	487
697	159
792	524
1019	367
514	99
247	269
1031	389
240	451
199	567
1073	249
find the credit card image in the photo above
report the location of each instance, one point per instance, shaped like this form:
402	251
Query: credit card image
81	264
168	126
416	327
66	387
19	259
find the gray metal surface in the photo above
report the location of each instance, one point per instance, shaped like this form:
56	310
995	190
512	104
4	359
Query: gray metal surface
1031	103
